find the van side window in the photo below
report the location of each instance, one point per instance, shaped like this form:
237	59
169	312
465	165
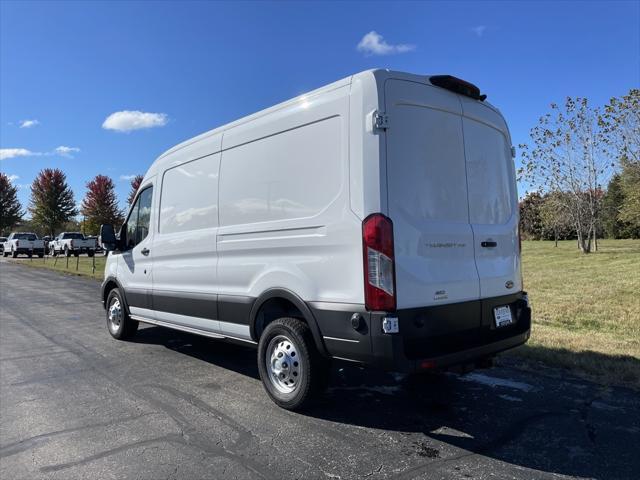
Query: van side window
138	222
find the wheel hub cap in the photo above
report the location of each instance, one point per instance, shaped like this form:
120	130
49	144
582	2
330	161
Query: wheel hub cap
284	364
115	315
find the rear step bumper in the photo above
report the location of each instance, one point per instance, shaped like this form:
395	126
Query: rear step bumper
429	338
437	338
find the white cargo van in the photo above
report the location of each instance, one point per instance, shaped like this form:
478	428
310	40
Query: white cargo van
374	220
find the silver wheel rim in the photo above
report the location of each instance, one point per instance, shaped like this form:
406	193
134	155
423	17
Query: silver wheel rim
284	364
114	315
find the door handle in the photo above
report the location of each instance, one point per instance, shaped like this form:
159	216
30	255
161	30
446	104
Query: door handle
145	251
488	244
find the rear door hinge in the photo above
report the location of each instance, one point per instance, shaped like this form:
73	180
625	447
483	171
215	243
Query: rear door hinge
380	121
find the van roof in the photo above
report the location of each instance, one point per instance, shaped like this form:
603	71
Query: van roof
379	73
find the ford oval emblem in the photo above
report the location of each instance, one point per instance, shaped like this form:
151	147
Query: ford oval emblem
509	284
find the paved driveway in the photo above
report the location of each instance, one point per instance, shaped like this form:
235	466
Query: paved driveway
75	403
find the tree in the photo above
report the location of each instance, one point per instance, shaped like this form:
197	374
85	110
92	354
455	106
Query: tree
621	122
531	226
52	202
568	158
135	185
10	208
100	205
556	224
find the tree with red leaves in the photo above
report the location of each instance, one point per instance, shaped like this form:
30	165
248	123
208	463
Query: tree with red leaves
100	205
10	208
52	203
135	185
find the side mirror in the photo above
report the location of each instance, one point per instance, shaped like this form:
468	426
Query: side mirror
108	238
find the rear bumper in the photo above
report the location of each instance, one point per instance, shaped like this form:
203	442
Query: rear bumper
429	338
26	251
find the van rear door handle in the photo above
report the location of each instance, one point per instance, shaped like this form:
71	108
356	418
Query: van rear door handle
488	244
145	251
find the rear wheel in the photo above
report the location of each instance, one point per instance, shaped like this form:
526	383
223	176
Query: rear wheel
291	369
90	253
40	255
119	324
14	254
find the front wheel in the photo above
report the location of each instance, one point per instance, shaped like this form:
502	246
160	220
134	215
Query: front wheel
119	324
291	369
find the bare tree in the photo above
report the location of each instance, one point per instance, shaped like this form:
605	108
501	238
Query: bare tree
567	158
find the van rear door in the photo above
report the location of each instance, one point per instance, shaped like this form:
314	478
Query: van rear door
427	198
492	199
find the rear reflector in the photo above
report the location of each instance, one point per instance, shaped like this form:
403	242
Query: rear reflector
427	365
379	263
457	85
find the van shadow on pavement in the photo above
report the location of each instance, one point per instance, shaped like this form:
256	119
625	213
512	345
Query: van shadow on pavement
552	423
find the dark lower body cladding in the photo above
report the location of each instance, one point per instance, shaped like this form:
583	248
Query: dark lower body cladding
429	338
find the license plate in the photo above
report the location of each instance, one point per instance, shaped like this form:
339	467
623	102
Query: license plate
502	316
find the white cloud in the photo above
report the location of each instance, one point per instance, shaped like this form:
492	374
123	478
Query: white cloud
28	123
127	177
374	44
66	151
128	120
479	30
6	153
13	178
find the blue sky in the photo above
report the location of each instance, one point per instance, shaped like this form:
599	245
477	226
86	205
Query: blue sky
68	66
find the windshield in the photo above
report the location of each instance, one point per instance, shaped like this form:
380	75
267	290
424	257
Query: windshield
25	236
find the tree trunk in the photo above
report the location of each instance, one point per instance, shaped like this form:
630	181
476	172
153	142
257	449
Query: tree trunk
555	236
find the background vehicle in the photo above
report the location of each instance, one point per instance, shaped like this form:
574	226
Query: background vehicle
46	240
2	240
20	243
373	220
98	250
72	243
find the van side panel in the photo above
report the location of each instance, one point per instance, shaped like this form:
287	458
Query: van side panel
285	219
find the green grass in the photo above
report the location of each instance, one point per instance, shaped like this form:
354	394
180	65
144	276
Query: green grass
81	265
586	308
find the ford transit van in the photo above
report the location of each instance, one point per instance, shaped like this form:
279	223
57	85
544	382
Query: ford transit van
374	220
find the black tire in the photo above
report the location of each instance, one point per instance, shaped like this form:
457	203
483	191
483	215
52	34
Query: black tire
90	253
124	327
308	376
14	254
76	254
40	255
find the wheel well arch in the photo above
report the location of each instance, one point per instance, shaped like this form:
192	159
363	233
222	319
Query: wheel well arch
277	303
108	285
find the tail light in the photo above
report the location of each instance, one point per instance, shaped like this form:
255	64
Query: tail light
71	243
17	243
379	263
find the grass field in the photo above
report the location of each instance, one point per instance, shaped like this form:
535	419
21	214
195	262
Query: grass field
586	308
82	265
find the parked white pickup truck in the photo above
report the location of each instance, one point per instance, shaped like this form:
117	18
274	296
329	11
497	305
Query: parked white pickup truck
69	243
20	243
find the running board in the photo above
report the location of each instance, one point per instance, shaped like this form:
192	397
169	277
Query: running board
183	328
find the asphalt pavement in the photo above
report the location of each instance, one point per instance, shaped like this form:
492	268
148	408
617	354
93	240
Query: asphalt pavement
77	404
